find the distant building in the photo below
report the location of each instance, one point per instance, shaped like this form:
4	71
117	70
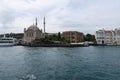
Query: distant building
32	33
117	36
108	37
105	37
100	36
73	36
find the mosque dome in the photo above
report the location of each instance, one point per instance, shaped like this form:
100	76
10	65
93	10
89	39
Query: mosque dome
33	27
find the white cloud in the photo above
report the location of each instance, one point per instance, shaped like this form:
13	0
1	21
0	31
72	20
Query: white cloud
81	15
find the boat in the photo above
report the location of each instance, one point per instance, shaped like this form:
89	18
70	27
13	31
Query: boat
7	41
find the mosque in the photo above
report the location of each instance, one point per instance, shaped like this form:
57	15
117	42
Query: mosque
33	32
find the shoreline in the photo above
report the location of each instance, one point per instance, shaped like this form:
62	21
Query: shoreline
55	45
62	45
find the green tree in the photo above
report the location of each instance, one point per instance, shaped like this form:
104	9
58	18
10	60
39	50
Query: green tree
89	37
59	36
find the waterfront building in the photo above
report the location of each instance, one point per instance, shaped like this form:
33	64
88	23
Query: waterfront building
73	36
100	36
117	36
32	33
105	37
108	37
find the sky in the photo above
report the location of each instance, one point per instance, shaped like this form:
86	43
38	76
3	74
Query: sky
85	16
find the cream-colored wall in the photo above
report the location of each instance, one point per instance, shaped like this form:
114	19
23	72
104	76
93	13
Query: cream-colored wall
36	35
28	39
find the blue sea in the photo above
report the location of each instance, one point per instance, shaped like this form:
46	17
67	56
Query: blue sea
60	63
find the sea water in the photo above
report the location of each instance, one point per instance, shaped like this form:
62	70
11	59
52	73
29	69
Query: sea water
60	63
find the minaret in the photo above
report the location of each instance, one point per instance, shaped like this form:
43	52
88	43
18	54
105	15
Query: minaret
36	21
44	25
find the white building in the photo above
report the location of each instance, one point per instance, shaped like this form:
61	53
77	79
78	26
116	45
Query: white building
100	36
117	36
105	37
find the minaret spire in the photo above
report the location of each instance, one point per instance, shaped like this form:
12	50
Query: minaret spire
44	25
36	21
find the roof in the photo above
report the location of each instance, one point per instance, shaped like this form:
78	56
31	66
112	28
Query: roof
108	31
33	27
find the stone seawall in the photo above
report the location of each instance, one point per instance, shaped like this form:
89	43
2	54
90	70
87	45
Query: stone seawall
55	45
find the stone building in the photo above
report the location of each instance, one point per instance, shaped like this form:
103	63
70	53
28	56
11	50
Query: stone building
32	33
73	36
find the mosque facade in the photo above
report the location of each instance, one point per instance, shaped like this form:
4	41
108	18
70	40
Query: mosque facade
33	33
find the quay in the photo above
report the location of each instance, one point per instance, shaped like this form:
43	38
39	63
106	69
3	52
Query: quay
55	45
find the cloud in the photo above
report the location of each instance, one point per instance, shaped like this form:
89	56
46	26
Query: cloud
82	15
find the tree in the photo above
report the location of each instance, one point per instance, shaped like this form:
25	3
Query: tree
89	37
59	36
